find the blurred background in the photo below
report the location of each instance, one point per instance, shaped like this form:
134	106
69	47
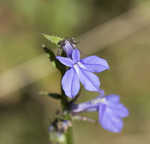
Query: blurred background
117	30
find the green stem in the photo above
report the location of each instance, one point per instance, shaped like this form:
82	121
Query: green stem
69	136
69	132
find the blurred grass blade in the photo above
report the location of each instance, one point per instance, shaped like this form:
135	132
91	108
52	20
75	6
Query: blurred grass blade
53	39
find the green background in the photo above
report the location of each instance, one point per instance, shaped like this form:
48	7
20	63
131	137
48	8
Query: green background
24	115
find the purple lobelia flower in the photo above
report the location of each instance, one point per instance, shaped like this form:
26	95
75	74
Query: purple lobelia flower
81	71
109	109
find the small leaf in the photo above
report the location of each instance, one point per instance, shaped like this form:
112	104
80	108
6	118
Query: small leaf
54	95
53	39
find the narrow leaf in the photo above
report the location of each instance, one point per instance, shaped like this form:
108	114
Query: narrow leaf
53	39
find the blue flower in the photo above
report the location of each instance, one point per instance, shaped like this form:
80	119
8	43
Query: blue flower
81	71
109	109
68	47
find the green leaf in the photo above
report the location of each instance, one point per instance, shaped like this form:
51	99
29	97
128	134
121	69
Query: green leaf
53	39
54	95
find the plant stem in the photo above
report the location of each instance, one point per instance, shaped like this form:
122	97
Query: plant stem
64	100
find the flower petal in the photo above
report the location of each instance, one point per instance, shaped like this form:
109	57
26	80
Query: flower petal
68	48
66	61
120	110
95	64
115	105
108	120
71	83
113	98
89	80
76	55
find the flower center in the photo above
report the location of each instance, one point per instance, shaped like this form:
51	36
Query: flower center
81	65
76	67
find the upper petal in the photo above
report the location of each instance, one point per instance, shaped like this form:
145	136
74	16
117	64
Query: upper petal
89	80
68	48
71	83
66	61
95	64
76	55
